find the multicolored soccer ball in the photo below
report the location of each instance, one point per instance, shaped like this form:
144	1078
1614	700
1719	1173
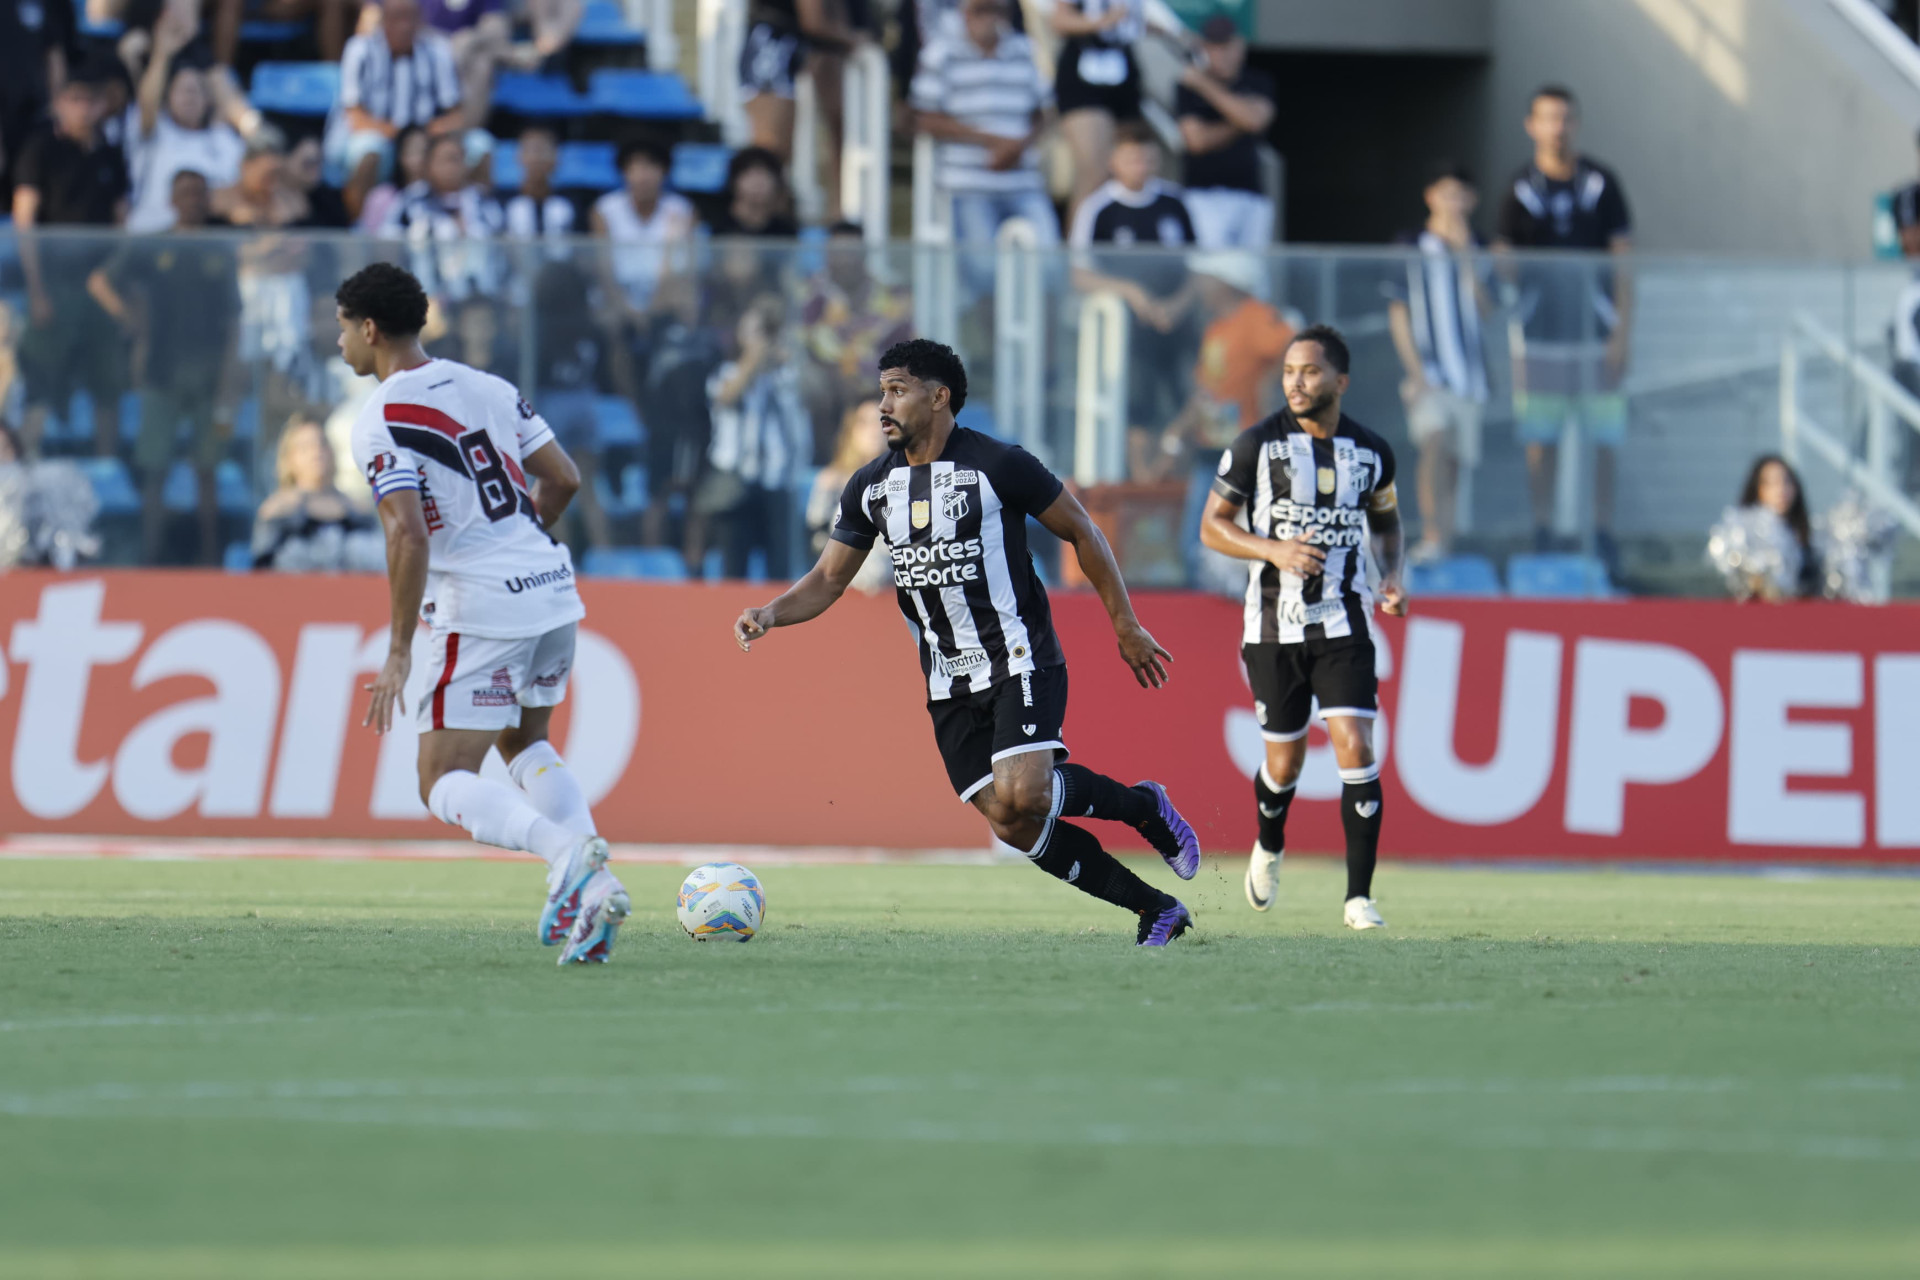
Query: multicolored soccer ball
722	900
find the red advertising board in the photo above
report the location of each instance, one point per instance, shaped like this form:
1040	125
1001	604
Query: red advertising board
205	704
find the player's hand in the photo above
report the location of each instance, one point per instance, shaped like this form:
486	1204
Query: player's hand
389	691
751	625
1293	556
1144	654
1393	599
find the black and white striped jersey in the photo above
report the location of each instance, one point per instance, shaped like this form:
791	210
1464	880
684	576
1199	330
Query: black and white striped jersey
1297	486
956	530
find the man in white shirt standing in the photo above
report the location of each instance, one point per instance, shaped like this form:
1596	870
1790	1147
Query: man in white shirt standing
978	91
448	451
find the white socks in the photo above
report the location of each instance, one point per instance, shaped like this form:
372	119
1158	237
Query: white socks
497	815
550	785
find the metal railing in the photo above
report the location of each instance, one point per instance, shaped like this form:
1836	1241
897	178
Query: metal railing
866	157
1019	337
722	27
1889	407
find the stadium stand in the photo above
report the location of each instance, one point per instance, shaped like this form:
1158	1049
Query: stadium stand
1557	577
1460	576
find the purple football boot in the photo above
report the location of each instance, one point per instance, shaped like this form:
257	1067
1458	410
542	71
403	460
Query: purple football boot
1158	928
1169	833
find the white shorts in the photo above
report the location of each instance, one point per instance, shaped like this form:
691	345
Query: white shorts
1438	411
479	683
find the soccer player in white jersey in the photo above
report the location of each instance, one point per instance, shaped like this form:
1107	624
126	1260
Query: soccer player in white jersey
1317	488
449	451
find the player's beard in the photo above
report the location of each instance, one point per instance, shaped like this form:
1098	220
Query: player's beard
1320	404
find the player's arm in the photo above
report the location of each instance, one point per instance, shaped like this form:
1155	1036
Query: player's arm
1389	547
559	481
405	523
806	599
1068	521
1220	532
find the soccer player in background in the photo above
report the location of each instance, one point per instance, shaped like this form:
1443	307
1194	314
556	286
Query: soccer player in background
1318	487
448	451
951	506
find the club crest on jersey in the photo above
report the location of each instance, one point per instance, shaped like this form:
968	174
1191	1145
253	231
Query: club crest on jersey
953	505
922	513
1326	480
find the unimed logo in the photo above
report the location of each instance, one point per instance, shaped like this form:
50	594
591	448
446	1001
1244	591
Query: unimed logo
244	731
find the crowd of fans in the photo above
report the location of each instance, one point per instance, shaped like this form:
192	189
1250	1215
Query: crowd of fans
745	362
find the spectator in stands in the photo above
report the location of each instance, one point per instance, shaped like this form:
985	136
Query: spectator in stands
304	173
307	525
755	200
184	326
448	223
846	317
762	441
536	211
35	38
1434	313
1237	376
642	221
685	350
397	75
67	177
1224	107
978	91
1096	83
860	441
781	36
1129	217
919	21
178	130
1772	483
481	35
409	167
1579	317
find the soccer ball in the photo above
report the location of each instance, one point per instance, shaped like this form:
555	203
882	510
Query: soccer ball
721	900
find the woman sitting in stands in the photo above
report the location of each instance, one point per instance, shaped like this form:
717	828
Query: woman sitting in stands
308	525
1764	546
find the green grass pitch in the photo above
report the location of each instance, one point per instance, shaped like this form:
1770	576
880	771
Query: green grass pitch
276	1069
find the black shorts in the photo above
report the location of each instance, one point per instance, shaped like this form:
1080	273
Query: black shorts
769	60
1288	678
1022	713
1114	88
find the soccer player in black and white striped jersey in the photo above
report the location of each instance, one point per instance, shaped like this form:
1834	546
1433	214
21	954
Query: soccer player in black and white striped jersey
1317	488
952	507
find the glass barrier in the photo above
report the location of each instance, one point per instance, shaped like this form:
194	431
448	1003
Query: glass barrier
1594	411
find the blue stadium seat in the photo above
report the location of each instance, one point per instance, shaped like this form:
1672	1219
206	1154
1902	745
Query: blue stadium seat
1558	577
507	173
711	565
642	95
1455	576
246	419
617	422
238	557
230	483
182	490
700	167
660	564
586	166
631	496
604	23
130	415
112	485
256	32
295	88
527	94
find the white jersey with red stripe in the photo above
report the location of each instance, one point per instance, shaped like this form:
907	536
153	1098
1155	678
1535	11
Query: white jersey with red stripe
459	436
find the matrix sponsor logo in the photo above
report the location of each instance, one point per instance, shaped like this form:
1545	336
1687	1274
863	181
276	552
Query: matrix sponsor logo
960	665
937	564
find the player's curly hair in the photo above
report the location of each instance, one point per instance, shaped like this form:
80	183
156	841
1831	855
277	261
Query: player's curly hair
1332	345
929	361
387	295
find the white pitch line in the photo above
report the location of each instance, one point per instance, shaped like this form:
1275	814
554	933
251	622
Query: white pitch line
168	849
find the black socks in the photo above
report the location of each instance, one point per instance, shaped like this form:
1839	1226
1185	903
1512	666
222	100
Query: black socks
1360	815
1073	854
1086	794
1273	812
